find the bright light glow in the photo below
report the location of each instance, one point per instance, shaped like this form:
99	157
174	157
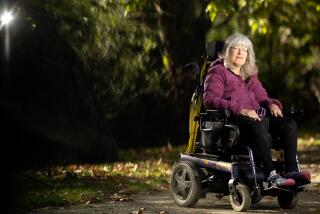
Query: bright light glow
6	18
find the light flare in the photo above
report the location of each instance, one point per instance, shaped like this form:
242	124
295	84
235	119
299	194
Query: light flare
6	18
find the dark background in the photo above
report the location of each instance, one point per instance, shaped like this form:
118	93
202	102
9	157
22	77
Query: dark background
80	79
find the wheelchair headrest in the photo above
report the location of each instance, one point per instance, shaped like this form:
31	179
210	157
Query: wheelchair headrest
213	49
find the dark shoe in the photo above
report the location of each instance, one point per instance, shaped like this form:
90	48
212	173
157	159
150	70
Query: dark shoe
302	178
278	181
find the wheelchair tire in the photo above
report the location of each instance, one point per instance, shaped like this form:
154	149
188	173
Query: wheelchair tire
185	183
287	200
241	199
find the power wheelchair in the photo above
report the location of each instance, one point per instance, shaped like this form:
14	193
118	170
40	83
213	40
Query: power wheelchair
214	162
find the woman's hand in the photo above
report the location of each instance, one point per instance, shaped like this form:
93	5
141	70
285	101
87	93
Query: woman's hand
250	113
275	111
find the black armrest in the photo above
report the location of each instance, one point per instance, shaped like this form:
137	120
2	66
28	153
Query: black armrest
211	114
218	113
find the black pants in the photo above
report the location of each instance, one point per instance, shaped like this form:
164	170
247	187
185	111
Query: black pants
256	134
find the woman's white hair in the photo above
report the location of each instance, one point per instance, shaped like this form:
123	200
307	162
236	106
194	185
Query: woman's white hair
237	39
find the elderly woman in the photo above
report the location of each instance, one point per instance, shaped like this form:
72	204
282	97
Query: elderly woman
232	83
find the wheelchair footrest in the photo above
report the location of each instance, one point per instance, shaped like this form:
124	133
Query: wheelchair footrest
274	191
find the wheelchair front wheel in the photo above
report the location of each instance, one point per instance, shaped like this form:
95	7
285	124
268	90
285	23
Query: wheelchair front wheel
287	200
185	184
240	200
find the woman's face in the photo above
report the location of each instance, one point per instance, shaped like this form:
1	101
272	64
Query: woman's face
238	55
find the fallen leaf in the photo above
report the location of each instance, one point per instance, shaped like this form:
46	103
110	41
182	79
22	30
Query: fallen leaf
140	211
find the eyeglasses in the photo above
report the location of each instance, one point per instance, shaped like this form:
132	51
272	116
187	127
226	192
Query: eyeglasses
237	48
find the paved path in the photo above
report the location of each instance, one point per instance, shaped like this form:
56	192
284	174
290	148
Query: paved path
161	202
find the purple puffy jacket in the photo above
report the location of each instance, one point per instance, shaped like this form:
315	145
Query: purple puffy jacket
225	90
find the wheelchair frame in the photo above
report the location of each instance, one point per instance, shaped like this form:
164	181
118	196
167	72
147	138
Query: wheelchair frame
201	170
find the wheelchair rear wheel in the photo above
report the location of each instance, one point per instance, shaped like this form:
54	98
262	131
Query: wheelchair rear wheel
185	183
241	199
287	200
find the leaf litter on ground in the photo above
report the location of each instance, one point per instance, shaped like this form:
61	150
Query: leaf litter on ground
146	171
138	171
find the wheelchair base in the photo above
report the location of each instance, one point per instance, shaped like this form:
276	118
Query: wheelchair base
241	179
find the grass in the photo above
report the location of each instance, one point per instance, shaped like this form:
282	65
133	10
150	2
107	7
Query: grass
138	171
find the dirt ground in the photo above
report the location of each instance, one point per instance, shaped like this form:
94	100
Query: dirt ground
162	203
